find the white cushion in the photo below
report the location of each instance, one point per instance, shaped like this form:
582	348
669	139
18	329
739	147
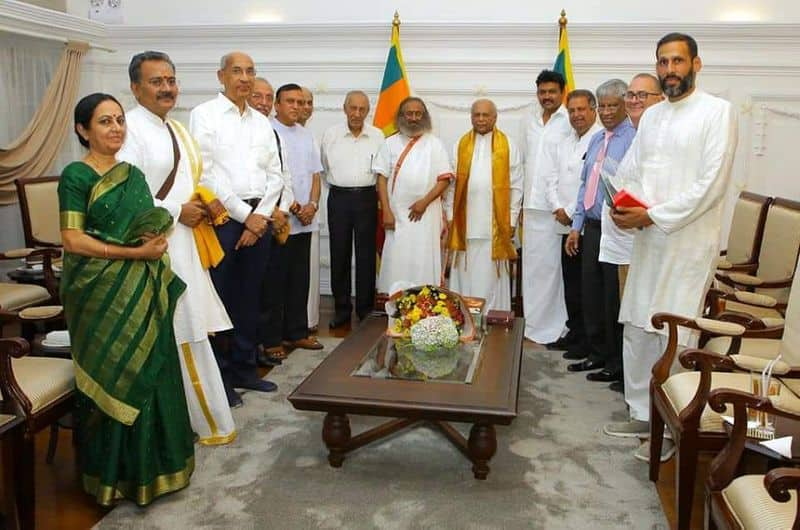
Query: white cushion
15	296
756	311
44	379
681	388
751	504
763	348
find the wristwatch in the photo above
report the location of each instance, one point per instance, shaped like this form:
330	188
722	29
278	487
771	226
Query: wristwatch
314	204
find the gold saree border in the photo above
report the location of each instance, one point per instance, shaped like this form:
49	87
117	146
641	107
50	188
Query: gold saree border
122	412
112	178
141	495
218	440
72	220
188	358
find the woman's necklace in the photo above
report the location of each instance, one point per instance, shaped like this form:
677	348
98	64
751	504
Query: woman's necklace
97	165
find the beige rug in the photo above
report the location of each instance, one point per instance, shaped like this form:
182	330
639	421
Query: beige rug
553	468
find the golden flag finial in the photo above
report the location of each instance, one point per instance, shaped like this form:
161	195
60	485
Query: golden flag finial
562	22
396	19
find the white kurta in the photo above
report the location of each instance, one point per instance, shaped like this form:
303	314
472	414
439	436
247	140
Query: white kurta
679	164
199	311
542	284
411	252
475	273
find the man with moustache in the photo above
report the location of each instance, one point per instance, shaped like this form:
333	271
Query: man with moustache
287	304
486	203
615	243
542	286
600	281
242	167
262	100
564	160
679	166
164	151
348	150
413	172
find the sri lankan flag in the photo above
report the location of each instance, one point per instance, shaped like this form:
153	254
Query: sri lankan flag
563	63
394	88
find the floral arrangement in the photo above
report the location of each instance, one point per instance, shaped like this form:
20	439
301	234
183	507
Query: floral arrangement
418	304
434	333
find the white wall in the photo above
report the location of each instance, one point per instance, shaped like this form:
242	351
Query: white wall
149	12
756	66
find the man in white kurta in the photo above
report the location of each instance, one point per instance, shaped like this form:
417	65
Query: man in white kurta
542	285
679	165
199	311
413	171
476	271
564	160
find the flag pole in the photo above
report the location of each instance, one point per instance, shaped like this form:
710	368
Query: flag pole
562	22
396	20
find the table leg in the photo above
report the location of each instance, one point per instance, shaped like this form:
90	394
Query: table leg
336	435
482	445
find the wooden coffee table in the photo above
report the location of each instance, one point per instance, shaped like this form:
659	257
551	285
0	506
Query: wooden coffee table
491	398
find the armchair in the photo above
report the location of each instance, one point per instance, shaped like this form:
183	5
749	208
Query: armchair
747	229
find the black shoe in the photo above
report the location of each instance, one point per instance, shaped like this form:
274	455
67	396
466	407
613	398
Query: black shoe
338	322
574	355
234	399
585	365
266	360
617	386
254	383
561	344
604	376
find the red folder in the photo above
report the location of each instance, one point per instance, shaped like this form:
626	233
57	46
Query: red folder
628	200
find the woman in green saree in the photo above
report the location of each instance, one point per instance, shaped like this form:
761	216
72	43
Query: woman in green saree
119	294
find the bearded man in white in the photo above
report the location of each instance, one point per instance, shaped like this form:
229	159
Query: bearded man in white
413	172
165	152
679	165
487	199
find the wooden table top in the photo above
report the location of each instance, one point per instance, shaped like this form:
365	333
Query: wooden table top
491	397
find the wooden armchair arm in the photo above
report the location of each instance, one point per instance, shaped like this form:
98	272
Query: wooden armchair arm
704	362
728	267
747	282
779	481
723	467
713	328
17	348
17	253
48	255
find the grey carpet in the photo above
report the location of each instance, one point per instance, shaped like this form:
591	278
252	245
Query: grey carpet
553	468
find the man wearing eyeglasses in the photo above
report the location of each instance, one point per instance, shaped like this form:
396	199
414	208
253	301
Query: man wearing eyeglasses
615	243
679	166
164	151
242	167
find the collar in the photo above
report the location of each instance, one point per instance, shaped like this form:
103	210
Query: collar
226	105
365	131
150	116
685	101
621	126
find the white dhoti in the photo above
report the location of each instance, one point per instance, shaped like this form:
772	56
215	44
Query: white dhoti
313	281
475	273
209	412
542	284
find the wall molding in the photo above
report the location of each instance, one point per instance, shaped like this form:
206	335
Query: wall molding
33	21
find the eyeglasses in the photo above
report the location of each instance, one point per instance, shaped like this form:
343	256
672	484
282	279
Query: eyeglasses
641	95
158	82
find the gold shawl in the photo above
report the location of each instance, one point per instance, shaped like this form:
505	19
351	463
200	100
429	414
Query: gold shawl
502	247
205	238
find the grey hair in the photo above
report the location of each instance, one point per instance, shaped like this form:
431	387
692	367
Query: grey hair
356	93
261	79
614	88
583	93
135	67
651	77
483	100
223	61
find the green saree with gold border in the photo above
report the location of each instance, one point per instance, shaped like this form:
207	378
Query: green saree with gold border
135	440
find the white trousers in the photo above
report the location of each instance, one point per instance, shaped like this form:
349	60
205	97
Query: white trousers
475	273
313	281
542	284
209	412
640	351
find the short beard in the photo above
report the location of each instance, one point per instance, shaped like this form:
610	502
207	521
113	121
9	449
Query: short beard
413	129
681	88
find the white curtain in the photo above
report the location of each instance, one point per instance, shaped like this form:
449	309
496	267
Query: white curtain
26	67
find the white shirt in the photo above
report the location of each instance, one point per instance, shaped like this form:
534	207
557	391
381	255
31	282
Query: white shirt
564	161
479	189
679	164
556	129
301	158
240	156
347	159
